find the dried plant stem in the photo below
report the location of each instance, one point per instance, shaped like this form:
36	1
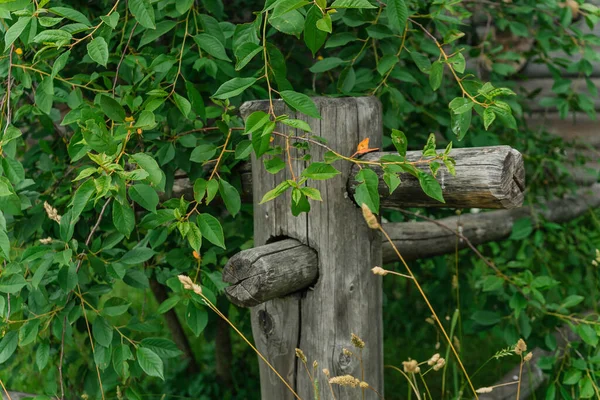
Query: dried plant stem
87	324
60	362
431	309
5	391
519	381
410	382
220	314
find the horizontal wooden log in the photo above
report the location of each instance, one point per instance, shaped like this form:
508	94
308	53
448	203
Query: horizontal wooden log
285	267
417	240
270	271
486	177
16	395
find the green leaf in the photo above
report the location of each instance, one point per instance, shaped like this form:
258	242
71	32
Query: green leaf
103	332
436	75
423	63
352	4
399	141
326	64
164	348
572	301
386	63
324	24
262	140
162	28
42	355
182	104
115	306
276	192
97	49
123	218
143	12
488	117
13	284
312	193
137	255
296	123
44	95
194	237
320	171
458	62
53	36
4	244
145	196
397	15
300	202
155	175
111	20
521	229
71	14
211	229
290	23
10	133
168	304
460	105
460	124
255	121
313	37
572	377
233	87
367	192
60	63
112	109
230	197
486	318
212	46
196	318
182	6
149	361
8	345
273	165
300	102
391	180
202	153
15	31
28	332
431	186
586	388
67	277
588	334
245	53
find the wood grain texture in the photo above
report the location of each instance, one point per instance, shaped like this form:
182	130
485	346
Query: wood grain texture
270	271
347	298
426	239
486	177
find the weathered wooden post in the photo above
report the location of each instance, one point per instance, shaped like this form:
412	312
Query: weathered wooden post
346	298
308	279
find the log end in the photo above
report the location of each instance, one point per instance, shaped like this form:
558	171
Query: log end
511	191
270	271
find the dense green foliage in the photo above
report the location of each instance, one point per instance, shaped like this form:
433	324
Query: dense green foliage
106	104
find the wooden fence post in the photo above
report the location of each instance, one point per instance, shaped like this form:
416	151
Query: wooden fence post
346	298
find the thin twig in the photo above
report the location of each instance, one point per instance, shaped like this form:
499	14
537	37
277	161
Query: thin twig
5	391
8	89
89	238
60	363
122	57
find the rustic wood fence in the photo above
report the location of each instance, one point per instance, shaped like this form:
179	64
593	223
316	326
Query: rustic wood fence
308	280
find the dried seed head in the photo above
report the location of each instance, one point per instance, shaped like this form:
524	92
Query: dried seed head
430	320
484	390
454	282
434	358
347	352
370	218
48	240
439	364
196	255
188	284
456	343
364	385
345	380
437	346
379	271
315	364
326	372
300	355
357	342
528	357
520	347
411	366
52	212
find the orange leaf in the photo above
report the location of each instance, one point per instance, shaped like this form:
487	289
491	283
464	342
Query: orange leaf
363	145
